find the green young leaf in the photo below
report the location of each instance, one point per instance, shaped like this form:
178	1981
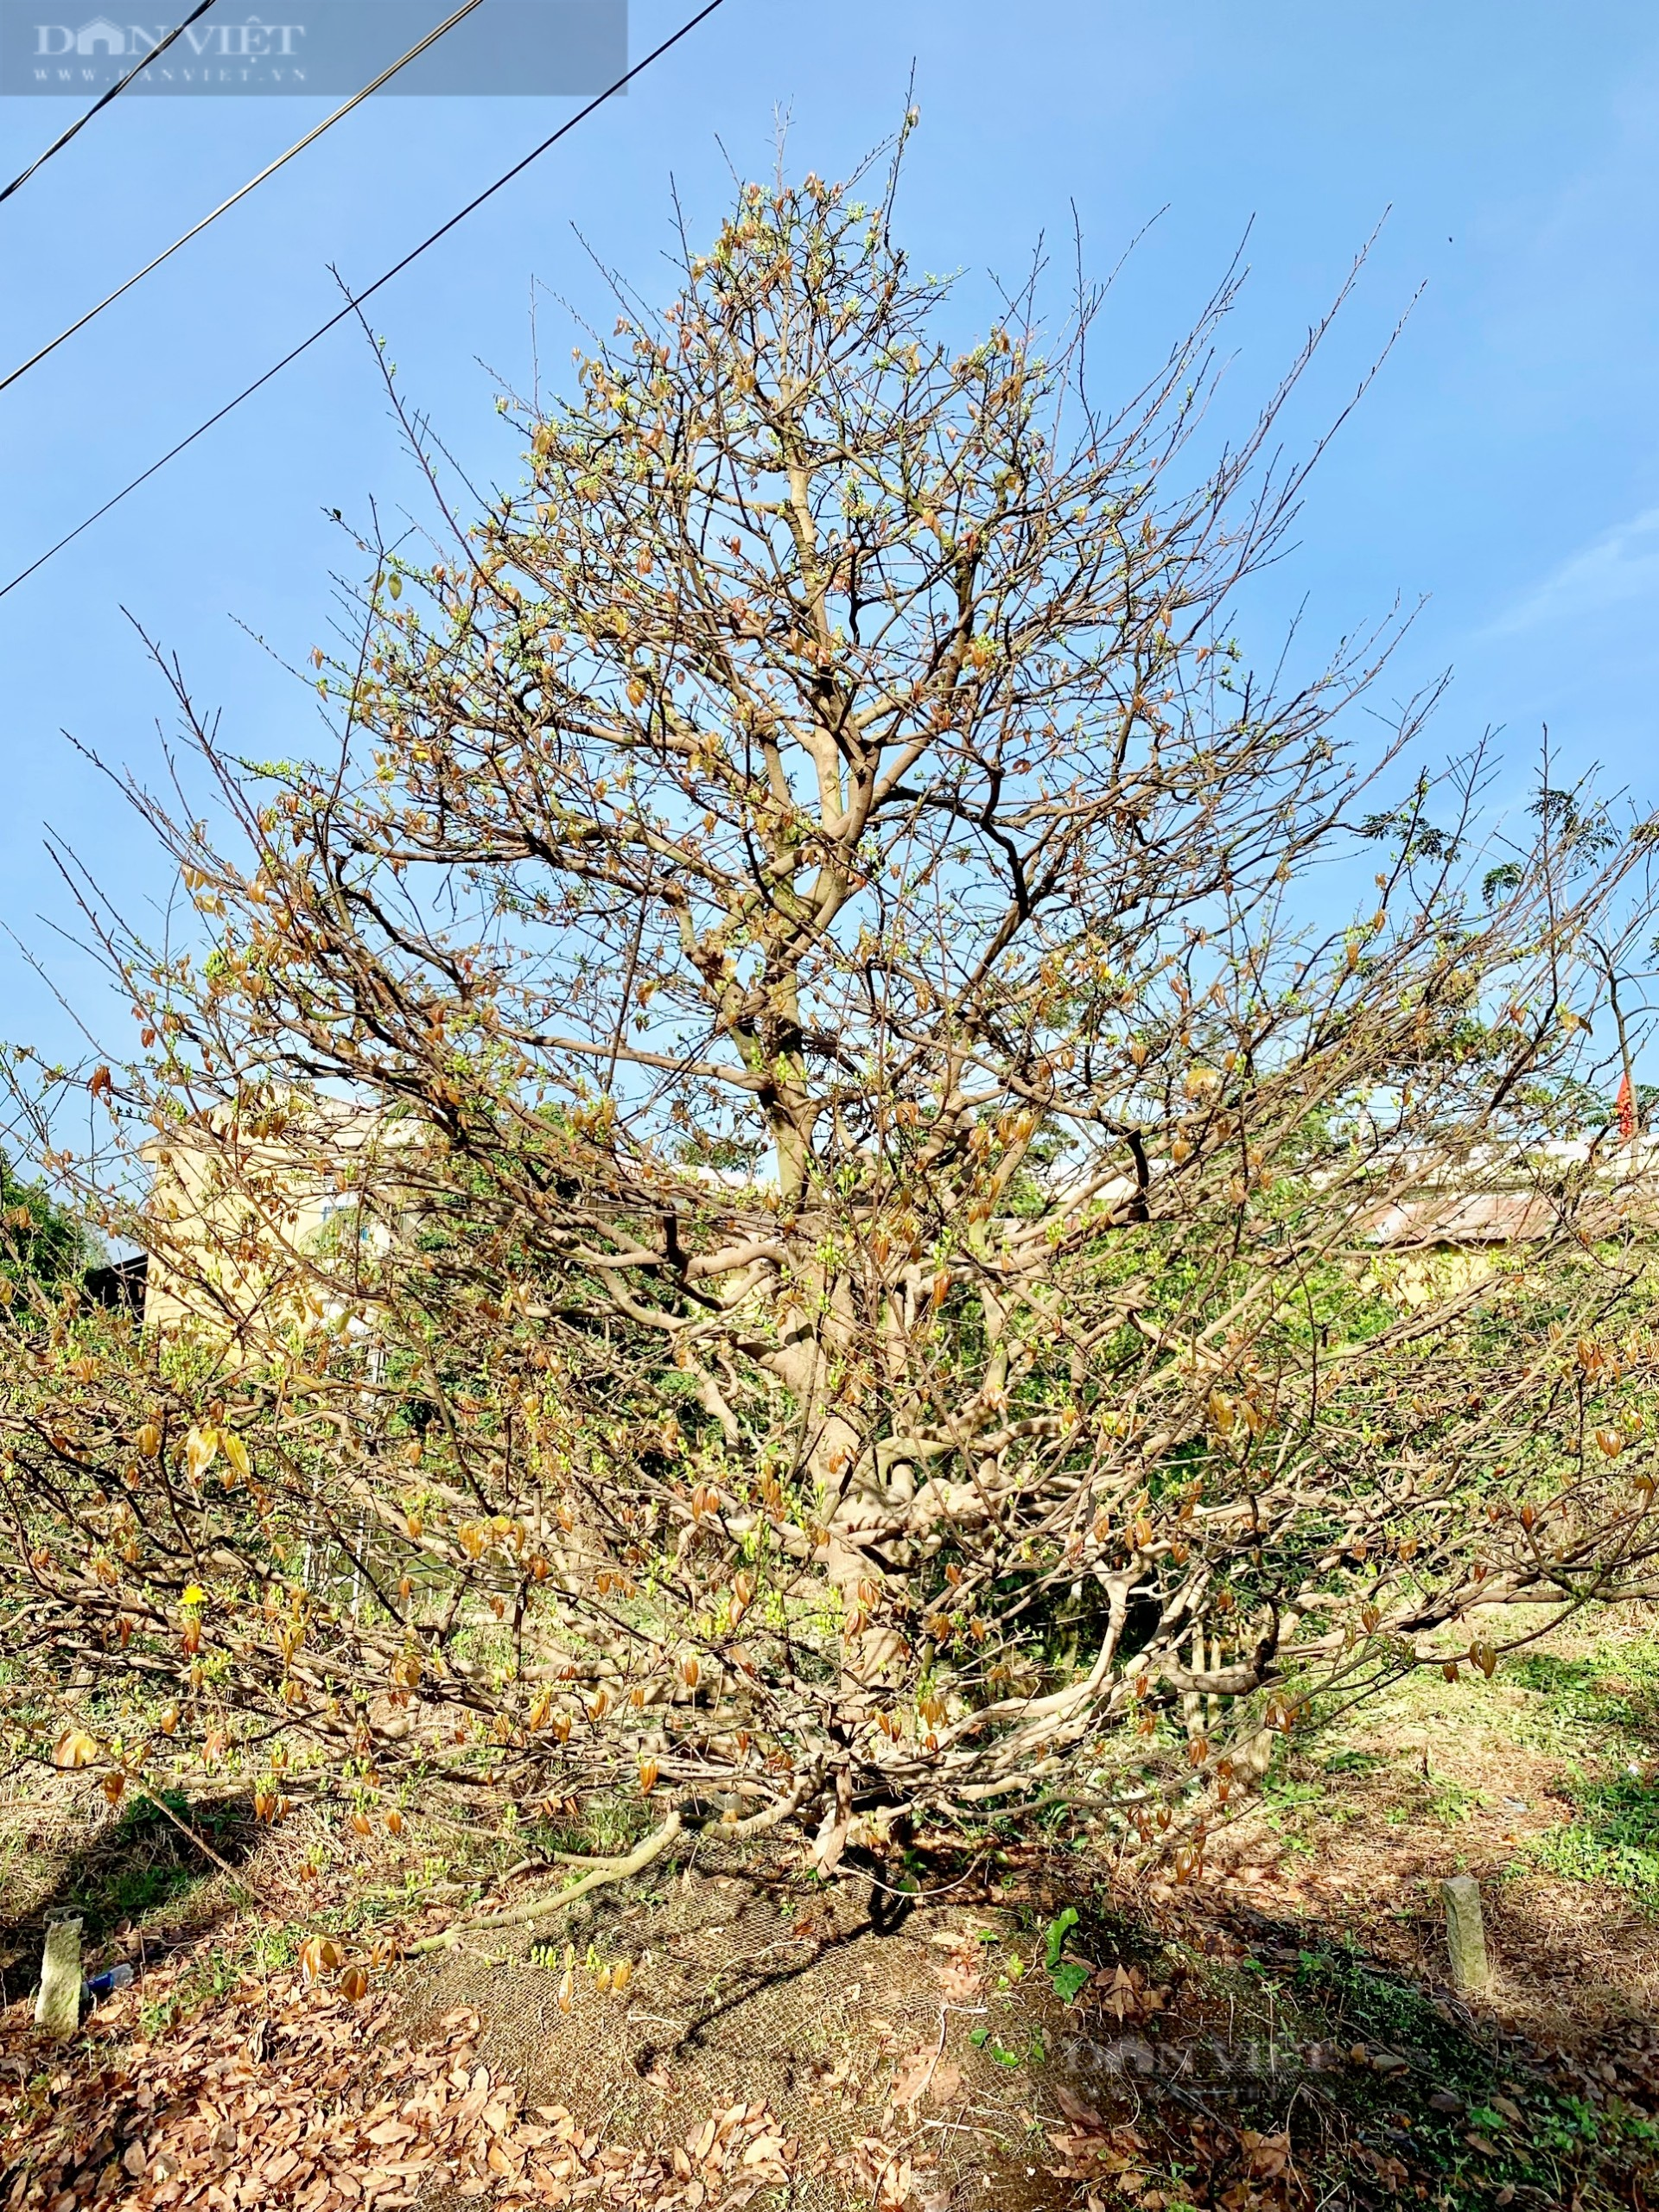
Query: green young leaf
1058	1928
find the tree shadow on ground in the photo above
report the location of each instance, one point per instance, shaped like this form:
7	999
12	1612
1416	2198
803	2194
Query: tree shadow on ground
1393	2087
138	1869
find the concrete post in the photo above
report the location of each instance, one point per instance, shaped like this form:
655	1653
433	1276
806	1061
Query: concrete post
1465	1936
57	2009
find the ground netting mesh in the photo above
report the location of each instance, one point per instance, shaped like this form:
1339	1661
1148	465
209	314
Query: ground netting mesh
839	2020
749	1987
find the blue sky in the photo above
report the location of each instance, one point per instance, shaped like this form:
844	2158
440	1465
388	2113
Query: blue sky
1505	464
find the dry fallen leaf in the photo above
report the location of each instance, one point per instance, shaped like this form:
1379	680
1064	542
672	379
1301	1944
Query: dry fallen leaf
912	2074
1269	2155
319	1954
959	1980
945	2083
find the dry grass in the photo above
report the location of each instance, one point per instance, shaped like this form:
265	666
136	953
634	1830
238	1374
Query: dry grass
1442	1778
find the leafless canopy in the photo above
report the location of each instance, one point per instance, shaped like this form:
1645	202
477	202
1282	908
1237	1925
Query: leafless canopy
862	1261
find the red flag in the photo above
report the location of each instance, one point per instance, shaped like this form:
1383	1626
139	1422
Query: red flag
1626	1109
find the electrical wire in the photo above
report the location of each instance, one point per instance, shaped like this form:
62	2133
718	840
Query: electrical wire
270	169
104	98
355	301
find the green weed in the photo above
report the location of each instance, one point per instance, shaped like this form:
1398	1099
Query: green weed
217	1975
1615	1840
1068	1975
1452	1801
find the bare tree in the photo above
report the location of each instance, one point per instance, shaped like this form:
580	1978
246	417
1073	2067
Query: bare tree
860	1178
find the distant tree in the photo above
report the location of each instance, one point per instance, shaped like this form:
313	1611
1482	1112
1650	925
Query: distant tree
42	1246
851	1282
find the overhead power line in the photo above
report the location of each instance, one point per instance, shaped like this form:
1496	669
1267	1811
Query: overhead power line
270	169
104	98
356	300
